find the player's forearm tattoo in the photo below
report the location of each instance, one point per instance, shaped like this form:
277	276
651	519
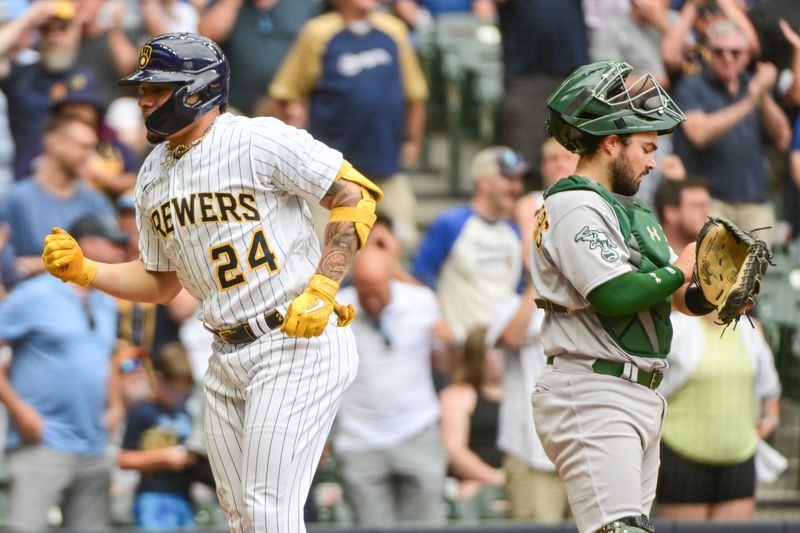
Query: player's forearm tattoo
341	243
341	240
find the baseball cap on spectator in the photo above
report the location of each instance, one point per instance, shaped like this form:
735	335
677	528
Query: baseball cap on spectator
498	160
61	18
80	89
98	226
63	10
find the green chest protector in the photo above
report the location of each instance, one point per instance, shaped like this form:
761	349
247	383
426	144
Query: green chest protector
647	333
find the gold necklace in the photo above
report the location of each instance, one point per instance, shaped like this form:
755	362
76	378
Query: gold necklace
173	154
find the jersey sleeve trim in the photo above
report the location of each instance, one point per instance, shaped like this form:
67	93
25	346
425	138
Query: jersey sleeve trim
437	244
300	71
414	84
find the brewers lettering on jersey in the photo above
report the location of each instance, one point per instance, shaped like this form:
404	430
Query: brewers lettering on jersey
607	281
222	211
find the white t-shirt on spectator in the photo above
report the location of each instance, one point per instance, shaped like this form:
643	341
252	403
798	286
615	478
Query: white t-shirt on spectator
393	397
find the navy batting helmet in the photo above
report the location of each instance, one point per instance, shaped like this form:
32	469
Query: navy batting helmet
196	65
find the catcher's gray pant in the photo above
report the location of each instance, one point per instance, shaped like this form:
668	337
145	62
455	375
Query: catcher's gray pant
269	407
602	433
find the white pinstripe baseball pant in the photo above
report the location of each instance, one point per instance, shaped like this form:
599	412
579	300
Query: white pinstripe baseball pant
270	407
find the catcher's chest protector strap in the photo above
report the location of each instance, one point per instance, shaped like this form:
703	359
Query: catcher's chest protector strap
647	333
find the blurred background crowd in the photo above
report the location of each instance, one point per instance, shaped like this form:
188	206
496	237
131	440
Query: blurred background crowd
442	103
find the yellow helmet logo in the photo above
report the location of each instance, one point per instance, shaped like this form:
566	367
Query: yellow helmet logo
144	56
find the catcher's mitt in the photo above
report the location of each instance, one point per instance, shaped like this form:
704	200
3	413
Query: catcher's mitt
729	267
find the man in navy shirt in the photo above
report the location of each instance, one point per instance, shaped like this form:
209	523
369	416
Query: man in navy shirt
731	117
542	44
366	90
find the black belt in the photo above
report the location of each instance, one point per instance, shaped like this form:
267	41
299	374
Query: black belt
551	307
651	380
243	333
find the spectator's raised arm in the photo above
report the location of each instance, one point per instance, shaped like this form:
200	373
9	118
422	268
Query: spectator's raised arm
217	21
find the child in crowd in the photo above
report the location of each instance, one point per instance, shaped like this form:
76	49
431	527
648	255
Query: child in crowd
155	432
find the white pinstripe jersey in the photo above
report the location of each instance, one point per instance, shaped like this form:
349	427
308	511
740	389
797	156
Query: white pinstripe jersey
231	218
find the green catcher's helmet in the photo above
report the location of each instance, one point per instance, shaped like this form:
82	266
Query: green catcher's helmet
595	101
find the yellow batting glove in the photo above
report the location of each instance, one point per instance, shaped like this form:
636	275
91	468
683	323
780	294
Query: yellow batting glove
64	259
345	313
308	314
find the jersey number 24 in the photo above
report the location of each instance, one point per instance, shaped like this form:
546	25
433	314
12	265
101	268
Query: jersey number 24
259	254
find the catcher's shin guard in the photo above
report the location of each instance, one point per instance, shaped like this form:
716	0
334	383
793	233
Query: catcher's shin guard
629	524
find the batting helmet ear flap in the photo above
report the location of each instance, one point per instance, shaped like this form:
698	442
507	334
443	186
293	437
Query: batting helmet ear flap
171	116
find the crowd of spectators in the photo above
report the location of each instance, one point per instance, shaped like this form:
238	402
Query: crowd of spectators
446	327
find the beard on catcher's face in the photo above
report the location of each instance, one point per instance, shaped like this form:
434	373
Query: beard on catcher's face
624	180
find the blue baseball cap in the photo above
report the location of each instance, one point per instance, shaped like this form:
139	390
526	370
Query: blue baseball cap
80	87
105	227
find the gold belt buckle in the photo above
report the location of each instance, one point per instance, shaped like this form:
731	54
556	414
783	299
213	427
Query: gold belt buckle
655	379
225	333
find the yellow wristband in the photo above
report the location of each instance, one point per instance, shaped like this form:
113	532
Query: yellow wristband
88	273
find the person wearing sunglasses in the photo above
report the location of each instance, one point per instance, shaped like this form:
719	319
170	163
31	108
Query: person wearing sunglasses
731	119
471	254
685	41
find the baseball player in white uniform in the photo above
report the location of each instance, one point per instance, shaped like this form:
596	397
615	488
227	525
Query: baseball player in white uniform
222	211
607	281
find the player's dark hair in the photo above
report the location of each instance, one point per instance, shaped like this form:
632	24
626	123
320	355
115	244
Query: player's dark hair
669	193
172	362
592	143
473	359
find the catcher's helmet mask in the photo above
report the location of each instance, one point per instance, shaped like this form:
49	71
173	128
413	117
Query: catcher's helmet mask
598	100
196	65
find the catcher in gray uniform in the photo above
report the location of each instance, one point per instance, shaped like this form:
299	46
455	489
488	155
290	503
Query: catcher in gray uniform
607	280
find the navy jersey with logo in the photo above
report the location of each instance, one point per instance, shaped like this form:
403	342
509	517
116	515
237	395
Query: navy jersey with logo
358	78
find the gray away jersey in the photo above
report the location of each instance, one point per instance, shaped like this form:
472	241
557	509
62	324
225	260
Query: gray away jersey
231	217
577	247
